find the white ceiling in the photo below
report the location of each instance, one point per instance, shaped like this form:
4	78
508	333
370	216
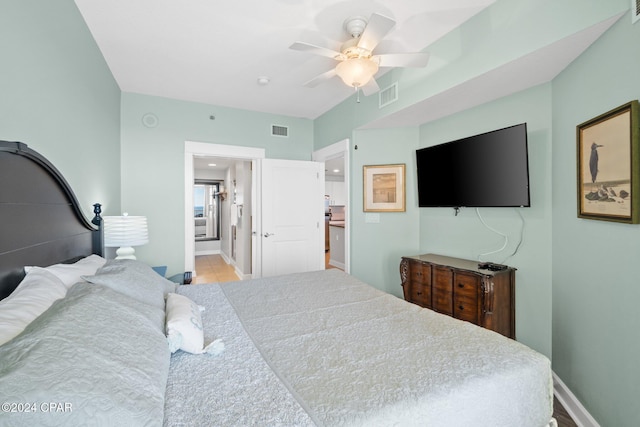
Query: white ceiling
213	52
212	163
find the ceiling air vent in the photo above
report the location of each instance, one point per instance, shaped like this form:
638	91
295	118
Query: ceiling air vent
277	130
389	95
635	10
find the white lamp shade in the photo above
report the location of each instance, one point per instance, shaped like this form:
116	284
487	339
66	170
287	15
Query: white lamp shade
125	231
356	72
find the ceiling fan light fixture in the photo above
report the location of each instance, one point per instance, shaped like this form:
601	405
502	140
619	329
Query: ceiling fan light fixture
356	72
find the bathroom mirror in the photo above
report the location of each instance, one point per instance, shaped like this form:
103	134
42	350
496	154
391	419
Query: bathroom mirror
206	209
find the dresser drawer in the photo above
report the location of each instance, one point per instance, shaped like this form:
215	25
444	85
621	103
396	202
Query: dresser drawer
421	294
420	273
442	298
465	296
420	284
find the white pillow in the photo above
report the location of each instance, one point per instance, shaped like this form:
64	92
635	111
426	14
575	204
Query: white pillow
71	274
33	296
184	327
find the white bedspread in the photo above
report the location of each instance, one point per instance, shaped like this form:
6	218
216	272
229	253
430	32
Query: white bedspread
352	355
236	388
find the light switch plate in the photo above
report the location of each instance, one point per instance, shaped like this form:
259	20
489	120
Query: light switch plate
372	218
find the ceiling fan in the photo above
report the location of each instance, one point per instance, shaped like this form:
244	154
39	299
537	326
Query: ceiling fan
357	64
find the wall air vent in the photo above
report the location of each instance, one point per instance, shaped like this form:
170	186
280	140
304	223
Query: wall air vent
389	95
635	10
277	130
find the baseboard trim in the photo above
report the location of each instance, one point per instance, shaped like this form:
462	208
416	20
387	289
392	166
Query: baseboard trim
225	258
208	252
336	264
241	275
571	403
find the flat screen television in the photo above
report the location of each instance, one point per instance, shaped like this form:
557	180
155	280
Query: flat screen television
486	170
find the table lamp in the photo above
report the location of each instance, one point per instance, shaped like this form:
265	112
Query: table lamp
124	232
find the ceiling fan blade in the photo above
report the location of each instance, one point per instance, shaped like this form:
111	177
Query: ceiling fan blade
321	78
417	60
317	50
371	87
377	27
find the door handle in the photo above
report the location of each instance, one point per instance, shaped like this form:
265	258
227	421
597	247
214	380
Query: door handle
268	234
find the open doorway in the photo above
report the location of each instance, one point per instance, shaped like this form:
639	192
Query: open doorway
221	191
337	191
222	196
230	185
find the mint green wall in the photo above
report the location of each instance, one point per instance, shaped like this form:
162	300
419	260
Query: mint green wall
338	123
153	160
465	236
505	31
58	96
596	288
376	248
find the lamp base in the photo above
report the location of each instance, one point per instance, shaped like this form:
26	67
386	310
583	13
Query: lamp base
125	252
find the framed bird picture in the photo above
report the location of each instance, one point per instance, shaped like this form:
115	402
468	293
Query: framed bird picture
608	162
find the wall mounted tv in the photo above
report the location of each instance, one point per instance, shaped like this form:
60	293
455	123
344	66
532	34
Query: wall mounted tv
486	170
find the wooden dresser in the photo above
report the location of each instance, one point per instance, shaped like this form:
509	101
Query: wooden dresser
458	288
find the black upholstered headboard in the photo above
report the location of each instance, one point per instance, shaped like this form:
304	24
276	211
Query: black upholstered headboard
41	222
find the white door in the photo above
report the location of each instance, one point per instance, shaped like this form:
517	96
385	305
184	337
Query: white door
290	235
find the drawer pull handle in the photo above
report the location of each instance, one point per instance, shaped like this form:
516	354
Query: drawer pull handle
461	307
460	285
418	293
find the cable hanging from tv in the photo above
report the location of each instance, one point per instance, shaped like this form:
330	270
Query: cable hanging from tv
506	238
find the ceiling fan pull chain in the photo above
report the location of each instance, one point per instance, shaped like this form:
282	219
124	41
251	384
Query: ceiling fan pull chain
357	88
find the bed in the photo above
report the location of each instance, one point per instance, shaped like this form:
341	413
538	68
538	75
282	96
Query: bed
120	345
